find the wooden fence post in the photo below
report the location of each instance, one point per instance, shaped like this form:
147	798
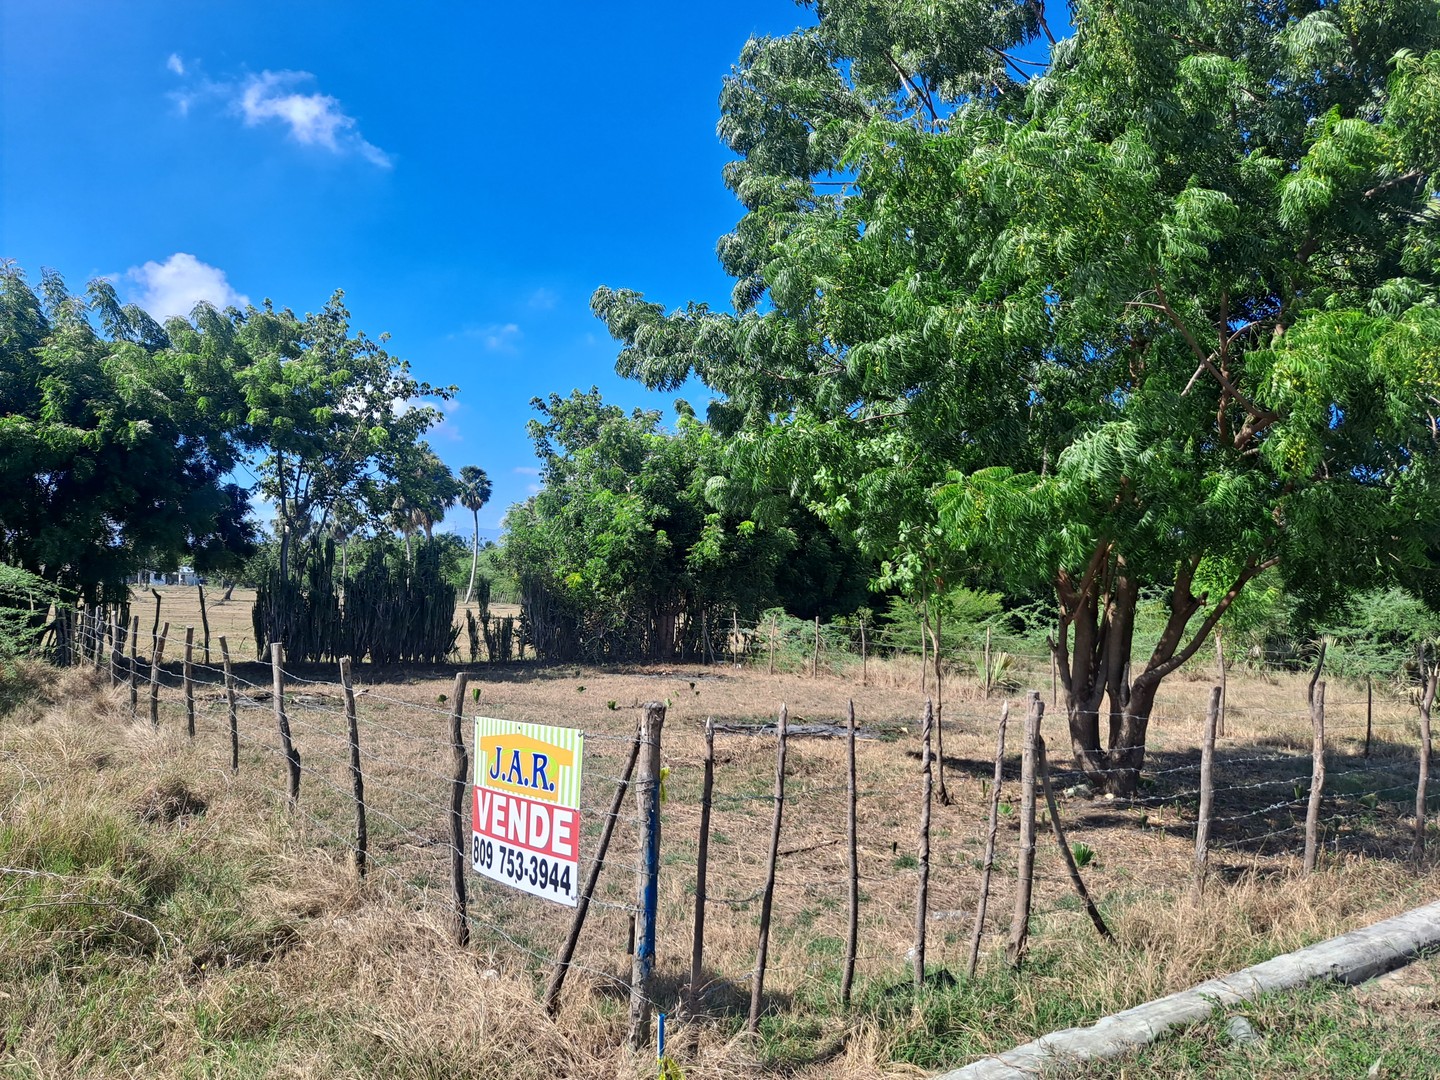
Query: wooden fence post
864	658
155	658
117	649
922	890
230	706
1317	773
155	626
991	832
1426	700
1043	767
1369	712
460	758
1207	789
134	665
647	797
767	900
292	754
702	861
1020	924
987	663
852	935
187	675
562	965
357	777
204	621
1224	681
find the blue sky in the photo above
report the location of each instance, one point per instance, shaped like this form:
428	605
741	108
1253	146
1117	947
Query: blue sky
468	173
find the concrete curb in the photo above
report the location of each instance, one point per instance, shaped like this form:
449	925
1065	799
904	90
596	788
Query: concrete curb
1349	958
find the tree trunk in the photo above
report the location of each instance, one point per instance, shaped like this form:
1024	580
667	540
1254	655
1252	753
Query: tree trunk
1095	665
474	557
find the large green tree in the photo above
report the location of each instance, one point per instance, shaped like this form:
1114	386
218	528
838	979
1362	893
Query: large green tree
116	441
337	421
1160	310
635	546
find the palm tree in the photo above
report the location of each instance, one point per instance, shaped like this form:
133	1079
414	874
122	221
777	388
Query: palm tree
474	494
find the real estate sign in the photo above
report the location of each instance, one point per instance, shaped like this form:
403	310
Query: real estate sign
526	818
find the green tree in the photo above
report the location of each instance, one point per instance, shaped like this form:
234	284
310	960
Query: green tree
635	545
474	494
336	419
1163	315
115	442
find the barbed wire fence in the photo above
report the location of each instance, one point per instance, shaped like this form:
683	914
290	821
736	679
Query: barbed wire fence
744	871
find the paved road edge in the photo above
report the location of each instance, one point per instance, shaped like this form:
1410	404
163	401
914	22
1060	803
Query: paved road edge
1350	958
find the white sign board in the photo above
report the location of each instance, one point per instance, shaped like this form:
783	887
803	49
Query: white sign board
526	814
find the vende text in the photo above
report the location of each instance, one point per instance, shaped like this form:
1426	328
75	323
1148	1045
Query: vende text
535	826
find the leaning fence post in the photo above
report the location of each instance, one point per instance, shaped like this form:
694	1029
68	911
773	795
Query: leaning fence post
155	676
852	936
230	703
134	665
1020	924
757	987
292	754
1317	774
922	890
647	796
1043	768
188	678
993	830
155	626
461	760
582	906
1207	789
702	859
204	621
357	778
1426	700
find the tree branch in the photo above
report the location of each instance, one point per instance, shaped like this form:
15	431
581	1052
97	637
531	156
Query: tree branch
1207	627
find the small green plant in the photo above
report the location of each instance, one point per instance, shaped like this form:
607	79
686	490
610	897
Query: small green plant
611	705
1083	853
475	694
1006	809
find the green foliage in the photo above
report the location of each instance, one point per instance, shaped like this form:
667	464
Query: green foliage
637	546
1379	633
24	601
1154	322
114	442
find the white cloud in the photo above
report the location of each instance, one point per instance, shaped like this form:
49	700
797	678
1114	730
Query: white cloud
543	299
501	338
313	119
526	470
277	98
175	286
533	489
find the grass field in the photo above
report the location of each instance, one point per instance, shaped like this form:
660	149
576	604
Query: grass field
159	916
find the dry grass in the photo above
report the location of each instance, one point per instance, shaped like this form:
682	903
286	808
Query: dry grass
235	941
